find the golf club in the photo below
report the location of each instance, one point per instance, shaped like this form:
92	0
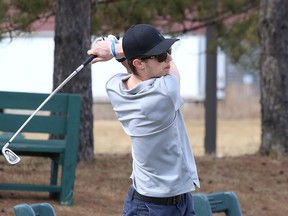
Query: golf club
9	155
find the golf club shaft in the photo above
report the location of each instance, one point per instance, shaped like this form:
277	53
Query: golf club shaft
87	61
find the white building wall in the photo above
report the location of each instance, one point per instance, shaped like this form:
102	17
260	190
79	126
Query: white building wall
26	64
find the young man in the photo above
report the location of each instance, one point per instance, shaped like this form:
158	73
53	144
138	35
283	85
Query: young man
147	102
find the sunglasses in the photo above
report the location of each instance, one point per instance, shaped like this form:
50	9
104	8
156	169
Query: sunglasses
160	58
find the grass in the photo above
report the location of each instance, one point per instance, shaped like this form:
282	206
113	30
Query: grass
259	182
234	137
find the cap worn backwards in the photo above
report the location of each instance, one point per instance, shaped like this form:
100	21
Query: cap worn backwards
144	40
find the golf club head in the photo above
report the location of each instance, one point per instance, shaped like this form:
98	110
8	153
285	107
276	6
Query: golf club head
9	155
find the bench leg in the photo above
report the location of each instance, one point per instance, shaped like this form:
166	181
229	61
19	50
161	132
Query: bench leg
67	180
54	177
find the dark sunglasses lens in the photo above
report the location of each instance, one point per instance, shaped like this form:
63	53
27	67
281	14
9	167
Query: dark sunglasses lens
162	57
169	51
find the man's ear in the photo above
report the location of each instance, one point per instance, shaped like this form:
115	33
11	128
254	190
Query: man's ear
138	64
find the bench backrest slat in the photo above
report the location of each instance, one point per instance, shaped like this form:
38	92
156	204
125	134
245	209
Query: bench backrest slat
38	124
63	107
28	101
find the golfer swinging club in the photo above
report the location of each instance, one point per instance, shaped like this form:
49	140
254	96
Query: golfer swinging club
147	103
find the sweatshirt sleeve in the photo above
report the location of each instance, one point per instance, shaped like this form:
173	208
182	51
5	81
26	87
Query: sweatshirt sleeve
173	90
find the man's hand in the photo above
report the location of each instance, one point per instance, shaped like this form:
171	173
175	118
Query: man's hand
101	49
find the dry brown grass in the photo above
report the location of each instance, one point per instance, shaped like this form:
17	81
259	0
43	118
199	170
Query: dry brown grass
259	182
234	137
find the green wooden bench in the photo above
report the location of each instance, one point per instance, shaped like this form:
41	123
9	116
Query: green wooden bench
61	118
222	202
39	209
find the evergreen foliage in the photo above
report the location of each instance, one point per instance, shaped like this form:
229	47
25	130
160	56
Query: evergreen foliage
236	20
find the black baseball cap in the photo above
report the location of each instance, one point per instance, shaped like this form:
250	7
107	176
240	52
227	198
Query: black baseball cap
144	40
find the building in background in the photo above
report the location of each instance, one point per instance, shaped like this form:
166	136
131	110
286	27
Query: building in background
27	65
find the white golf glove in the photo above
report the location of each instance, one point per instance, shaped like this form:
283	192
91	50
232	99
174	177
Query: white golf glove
114	40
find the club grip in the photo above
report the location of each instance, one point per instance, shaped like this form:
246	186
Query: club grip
88	60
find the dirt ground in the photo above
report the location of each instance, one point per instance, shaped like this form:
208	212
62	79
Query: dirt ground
259	182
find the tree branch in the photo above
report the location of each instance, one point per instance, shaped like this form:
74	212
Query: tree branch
211	20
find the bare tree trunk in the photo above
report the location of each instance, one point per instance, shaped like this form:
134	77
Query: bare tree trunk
273	29
72	40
